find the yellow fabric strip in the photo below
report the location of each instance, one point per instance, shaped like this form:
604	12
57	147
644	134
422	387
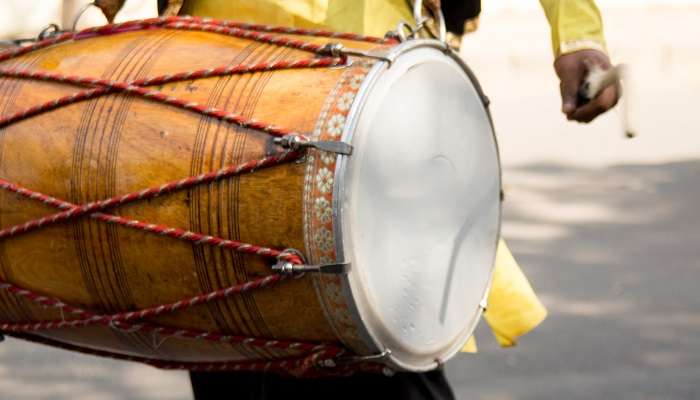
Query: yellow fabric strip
575	25
470	346
513	308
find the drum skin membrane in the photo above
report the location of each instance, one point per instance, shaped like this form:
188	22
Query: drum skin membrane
420	208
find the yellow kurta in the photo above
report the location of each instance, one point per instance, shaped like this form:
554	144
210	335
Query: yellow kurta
369	17
513	307
575	24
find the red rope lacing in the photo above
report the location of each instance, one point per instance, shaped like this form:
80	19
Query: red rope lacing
105	86
316	352
72	211
285	367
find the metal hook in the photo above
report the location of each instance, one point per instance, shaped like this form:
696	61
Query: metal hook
437	15
294	142
116	326
400	32
157	342
79	15
287	268
338	50
51	30
332	363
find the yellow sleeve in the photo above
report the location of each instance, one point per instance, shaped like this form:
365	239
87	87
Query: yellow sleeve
575	24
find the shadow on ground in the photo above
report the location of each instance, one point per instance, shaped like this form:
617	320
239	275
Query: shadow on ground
32	371
614	254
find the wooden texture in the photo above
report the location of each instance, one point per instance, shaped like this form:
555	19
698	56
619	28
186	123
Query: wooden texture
117	144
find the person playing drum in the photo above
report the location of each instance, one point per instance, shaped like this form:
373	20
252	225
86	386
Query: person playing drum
514	309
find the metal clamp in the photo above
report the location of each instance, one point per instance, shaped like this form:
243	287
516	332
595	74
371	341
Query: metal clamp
405	31
483	305
48	32
338	50
332	363
422	19
400	32
288	268
295	142
80	13
116	325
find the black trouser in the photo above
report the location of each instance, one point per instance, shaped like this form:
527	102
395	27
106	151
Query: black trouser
255	386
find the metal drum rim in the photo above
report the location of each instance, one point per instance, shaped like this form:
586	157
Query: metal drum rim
339	185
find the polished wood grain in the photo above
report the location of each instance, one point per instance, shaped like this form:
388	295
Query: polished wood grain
118	144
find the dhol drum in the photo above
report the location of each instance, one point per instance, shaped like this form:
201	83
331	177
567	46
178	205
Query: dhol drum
207	194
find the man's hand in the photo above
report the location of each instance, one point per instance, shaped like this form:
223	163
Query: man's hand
110	8
572	69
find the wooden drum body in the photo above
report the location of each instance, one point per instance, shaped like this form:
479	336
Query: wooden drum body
119	143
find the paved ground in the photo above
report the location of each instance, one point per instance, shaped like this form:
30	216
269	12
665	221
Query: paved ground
613	253
605	228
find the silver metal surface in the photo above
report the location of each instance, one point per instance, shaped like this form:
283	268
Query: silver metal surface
421	19
49	31
294	142
400	33
292	269
79	14
484	304
372	328
332	363
338	50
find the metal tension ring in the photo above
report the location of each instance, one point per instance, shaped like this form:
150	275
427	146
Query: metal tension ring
295	142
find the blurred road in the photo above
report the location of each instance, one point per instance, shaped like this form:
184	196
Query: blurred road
613	252
605	228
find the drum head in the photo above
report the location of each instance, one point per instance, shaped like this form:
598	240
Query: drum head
417	206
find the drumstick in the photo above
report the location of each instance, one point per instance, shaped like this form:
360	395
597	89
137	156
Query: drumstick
597	80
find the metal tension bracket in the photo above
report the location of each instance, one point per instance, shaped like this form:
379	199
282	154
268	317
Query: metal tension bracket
294	142
483	305
288	268
378	358
338	50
